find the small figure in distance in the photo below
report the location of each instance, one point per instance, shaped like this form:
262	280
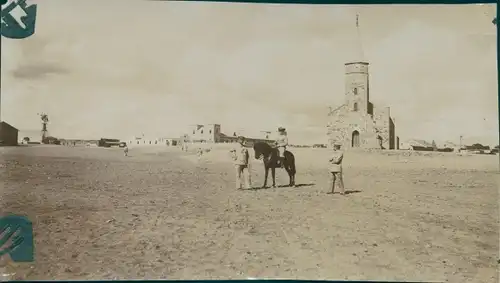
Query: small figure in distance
125	150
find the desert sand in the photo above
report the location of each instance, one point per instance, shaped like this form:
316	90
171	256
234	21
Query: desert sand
165	214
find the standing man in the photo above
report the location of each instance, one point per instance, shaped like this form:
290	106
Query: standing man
125	150
241	159
336	169
281	144
184	143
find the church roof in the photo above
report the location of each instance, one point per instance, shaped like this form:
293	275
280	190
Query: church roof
8	125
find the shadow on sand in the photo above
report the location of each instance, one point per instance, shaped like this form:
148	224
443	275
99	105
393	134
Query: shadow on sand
347	192
280	186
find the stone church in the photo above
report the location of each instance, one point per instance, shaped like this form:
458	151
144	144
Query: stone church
358	123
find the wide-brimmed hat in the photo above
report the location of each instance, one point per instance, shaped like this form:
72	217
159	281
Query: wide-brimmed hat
281	129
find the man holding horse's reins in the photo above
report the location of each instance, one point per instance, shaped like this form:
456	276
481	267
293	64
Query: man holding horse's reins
241	159
281	144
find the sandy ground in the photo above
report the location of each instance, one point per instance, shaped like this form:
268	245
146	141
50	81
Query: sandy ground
165	214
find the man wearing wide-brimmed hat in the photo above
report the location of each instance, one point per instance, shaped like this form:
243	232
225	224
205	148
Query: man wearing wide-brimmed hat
281	144
241	159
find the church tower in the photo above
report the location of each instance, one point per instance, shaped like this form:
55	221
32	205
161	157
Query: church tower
357	95
357	92
358	123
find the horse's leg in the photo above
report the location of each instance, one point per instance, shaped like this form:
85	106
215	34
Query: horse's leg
293	170
273	173
290	176
266	173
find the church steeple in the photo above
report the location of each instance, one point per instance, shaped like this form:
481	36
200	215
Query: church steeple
359	55
357	93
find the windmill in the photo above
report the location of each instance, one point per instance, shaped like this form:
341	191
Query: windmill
45	120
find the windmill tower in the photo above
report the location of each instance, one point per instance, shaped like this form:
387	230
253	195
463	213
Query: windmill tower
45	120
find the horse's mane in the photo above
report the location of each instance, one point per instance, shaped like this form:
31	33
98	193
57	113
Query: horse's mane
262	146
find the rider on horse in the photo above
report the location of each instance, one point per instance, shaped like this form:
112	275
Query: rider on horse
281	143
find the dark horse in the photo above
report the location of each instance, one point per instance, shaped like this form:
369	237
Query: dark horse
270	156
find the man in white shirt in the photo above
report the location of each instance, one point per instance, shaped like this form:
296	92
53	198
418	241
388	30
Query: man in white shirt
241	159
281	144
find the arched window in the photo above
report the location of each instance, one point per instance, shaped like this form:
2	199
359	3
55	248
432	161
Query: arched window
210	131
193	132
355	107
202	132
355	91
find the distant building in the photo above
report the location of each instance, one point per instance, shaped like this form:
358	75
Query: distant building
455	147
8	134
30	137
143	141
416	144
211	133
78	142
198	133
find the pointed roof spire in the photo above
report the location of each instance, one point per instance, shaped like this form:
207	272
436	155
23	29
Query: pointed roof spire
358	52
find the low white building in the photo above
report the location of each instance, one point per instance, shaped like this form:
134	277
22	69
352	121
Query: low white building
30	136
413	144
452	145
150	141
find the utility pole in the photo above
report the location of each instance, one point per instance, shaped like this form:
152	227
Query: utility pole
460	148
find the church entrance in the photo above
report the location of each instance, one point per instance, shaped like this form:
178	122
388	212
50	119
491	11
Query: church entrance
355	139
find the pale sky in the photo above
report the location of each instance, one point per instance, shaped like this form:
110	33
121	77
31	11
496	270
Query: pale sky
119	68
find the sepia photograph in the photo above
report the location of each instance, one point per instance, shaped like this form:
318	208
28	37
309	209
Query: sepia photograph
203	140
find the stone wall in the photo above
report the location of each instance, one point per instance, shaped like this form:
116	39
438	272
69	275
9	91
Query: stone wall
381	116
371	128
336	131
342	124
